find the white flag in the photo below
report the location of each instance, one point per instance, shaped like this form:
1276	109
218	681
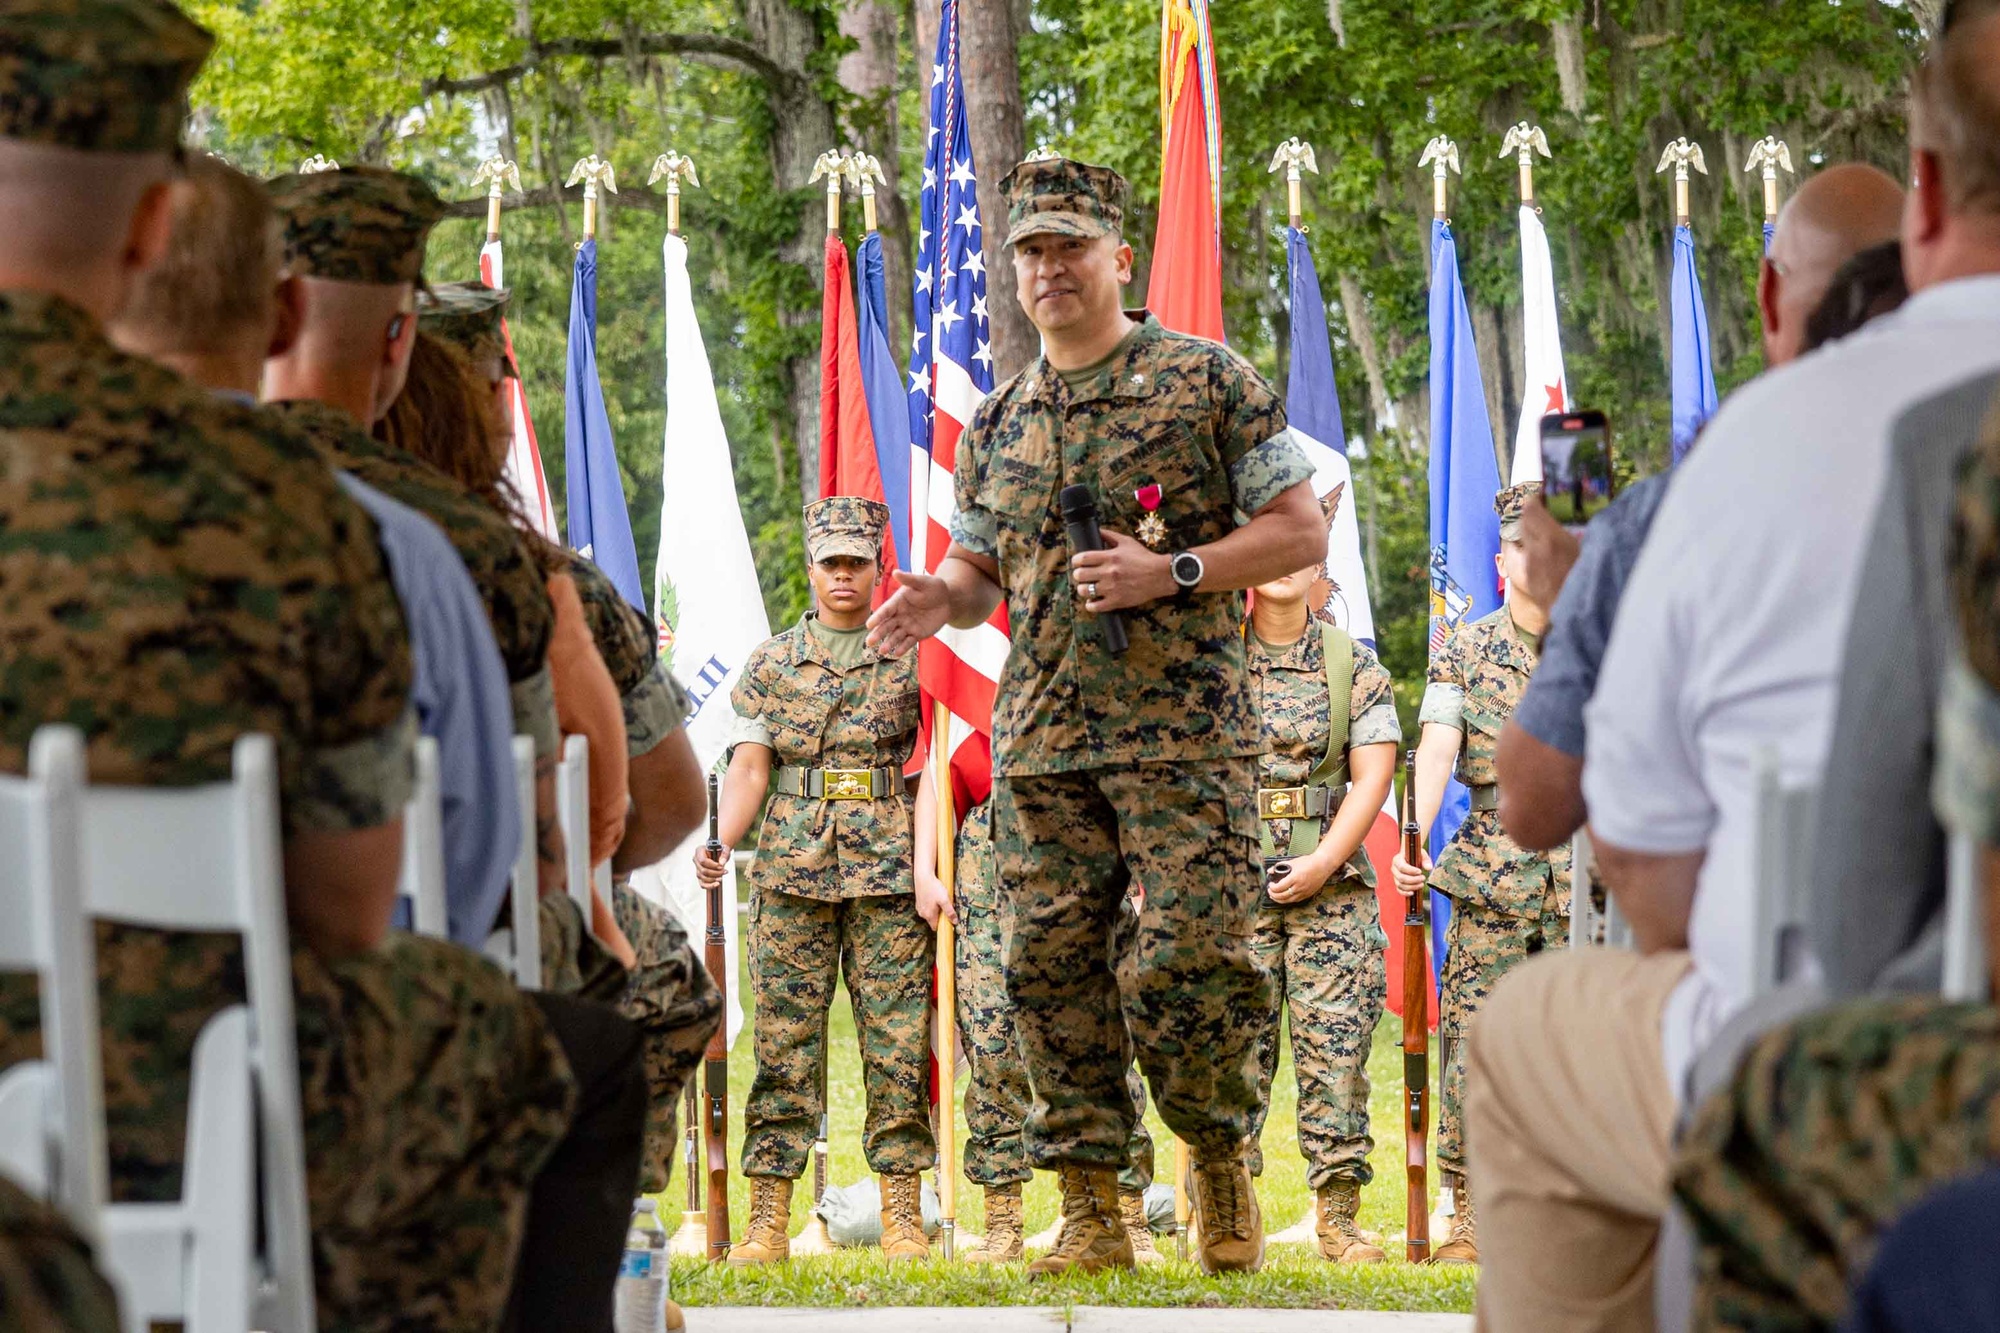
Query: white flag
1348	598
1544	388
709	608
524	454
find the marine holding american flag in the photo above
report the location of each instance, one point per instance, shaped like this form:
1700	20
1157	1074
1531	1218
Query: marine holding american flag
1138	766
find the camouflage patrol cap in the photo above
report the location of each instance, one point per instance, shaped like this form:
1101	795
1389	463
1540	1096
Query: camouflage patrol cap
356	224
1509	504
1060	197
106	76
845	525
467	315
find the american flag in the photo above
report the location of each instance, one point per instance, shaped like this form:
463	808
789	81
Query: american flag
951	370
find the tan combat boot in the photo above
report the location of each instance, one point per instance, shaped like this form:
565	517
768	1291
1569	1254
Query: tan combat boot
1229	1224
903	1218
1092	1238
1005	1235
1132	1212
1339	1239
768	1238
1463	1247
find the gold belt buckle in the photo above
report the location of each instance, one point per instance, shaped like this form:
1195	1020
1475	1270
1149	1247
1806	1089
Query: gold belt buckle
1281	803
848	784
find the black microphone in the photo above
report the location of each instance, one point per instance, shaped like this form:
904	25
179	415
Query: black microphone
1079	516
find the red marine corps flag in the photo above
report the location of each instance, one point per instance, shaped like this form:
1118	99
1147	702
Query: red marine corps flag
1185	291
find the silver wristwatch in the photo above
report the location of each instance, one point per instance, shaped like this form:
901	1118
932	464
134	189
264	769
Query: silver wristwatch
1187	570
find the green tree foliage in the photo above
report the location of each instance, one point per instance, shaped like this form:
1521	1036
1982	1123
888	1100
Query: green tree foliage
1611	81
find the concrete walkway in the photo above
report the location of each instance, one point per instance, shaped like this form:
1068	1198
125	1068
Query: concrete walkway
1030	1319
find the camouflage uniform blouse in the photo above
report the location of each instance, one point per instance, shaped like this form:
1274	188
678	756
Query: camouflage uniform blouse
793	698
655	705
1183	414
1474	685
497	557
1290	686
176	571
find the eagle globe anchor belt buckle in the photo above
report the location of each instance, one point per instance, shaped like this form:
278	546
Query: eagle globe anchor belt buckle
1297	802
837	784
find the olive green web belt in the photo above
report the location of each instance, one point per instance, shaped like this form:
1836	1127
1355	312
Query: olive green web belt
838	784
1484	797
1305	807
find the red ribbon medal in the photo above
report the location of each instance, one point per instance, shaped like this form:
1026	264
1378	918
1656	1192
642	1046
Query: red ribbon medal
1152	528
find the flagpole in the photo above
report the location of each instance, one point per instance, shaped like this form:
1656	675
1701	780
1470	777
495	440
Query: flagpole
947	974
864	173
674	168
1524	141
1770	153
1296	157
1441	155
1680	155
831	165
595	174
498	175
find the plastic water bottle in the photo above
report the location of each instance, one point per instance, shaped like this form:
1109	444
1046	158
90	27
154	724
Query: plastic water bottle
642	1276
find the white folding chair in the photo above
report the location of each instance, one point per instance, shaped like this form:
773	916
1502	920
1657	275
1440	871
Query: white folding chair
422	880
573	811
1587	926
519	947
208	859
1966	978
52	1109
1784	824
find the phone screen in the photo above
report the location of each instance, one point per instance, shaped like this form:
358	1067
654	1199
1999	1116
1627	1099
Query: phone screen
1576	465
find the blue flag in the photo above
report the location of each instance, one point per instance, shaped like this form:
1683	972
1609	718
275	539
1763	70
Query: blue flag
1464	478
1695	399
882	385
1770	230
599	527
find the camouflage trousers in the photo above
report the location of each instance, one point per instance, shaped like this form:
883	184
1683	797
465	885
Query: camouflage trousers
1832	1127
799	947
432	1094
997	1095
1186	990
1325	957
47	1282
677	1007
1481	946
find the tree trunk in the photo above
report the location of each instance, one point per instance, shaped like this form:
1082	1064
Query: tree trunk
988	46
1362	330
802	128
869	72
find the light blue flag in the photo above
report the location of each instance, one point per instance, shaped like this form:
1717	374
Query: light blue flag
1695	399
599	525
1465	530
882	385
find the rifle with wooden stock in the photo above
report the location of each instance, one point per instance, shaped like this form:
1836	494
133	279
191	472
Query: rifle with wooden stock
1416	1030
715	1061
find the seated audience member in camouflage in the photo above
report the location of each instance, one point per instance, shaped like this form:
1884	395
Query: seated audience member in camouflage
1330	721
1837	1124
1112	768
445	416
209	310
998	1097
825	726
1507	903
47	1283
433	1094
354	250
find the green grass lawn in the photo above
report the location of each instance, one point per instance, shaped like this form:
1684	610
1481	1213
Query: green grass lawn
1293	1276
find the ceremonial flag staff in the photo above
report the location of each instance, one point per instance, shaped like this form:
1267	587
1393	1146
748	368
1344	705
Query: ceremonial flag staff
947	982
1691	371
1770	153
1544	385
831	166
671	167
524	452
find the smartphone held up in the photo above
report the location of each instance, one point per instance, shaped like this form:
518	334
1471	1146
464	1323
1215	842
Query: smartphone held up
1576	465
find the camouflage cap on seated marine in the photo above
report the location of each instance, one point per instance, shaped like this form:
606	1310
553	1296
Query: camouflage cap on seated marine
1509	504
467	315
104	76
356	224
1056	196
845	525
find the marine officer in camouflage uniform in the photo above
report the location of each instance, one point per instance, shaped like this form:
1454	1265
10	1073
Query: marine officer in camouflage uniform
433	1093
669	993
997	1095
47	1283
1330	721
1112	769
354	241
1507	903
826	726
